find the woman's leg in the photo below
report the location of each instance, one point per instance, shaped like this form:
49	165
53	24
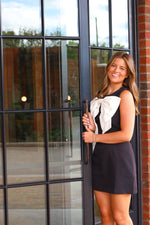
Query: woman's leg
104	202
120	204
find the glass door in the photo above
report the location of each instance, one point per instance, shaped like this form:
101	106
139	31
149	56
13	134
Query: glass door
110	31
52	58
45	78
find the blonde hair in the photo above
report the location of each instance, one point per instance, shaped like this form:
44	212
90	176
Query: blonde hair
128	82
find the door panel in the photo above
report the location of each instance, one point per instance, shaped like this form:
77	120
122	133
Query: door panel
48	69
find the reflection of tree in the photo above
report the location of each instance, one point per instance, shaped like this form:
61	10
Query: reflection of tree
17	42
103	54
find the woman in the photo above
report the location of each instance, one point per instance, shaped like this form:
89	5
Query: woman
110	126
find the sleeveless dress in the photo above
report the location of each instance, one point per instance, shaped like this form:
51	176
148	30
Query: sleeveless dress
113	165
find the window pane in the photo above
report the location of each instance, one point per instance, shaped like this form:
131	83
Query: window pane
1	207
61	17
120	23
25	147
99	59
64	145
23	74
62	68
21	17
99	23
27	205
66	204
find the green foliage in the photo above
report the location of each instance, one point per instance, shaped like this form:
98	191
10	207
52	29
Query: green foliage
58	135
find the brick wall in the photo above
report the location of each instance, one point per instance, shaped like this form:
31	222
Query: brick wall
144	52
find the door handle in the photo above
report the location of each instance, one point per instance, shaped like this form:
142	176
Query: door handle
87	148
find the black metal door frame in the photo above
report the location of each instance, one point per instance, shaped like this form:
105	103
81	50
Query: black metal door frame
85	90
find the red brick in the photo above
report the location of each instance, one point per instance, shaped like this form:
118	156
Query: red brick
145	151
141	18
146	223
145	102
146	216
145	52
147	26
147	34
142	43
145	68
144	77
146	159
144	110
146	143
144	119
145	168
145	135
146	176
146	208
142	35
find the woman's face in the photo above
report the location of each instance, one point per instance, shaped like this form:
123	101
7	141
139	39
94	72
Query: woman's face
117	71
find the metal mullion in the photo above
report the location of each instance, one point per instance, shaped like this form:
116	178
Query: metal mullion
46	129
40	37
135	47
64	109
107	48
69	180
36	183
85	93
41	110
3	137
130	28
21	37
0	19
110	27
62	38
26	184
42	17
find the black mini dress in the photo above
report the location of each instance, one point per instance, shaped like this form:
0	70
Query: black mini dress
113	165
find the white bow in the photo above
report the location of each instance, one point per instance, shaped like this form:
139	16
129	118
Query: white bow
109	106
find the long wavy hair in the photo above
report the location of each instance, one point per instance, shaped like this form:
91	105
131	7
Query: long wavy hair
128	82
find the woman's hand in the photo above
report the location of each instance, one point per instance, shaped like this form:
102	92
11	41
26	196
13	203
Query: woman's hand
88	122
88	136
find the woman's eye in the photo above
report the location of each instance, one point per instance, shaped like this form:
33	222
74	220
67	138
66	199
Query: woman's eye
122	68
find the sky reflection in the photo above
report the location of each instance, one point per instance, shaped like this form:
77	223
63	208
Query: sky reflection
61	19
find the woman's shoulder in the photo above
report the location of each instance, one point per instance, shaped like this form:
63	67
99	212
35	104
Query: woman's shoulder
126	95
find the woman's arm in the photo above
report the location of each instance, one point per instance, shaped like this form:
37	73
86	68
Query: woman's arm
127	119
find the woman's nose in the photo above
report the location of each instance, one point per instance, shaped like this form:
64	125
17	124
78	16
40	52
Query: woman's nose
117	68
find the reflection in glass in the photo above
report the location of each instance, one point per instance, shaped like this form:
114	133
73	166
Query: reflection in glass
1	165
120	23
64	145
61	17
25	147
21	17
99	59
99	23
27	205
66	204
23	73
96	212
62	73
1	207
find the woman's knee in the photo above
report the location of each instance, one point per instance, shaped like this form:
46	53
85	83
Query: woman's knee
106	215
121	218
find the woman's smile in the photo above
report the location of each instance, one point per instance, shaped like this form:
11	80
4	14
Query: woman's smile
117	71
